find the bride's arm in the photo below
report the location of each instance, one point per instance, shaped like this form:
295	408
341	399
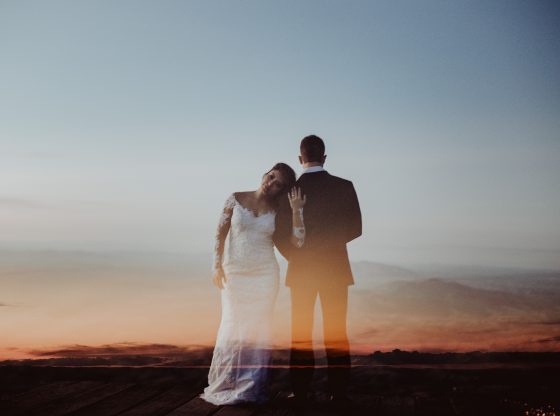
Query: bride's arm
297	201
218	275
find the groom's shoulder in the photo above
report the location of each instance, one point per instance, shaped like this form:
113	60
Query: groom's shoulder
338	180
324	178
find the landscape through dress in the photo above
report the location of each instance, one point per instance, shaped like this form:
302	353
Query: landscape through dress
239	369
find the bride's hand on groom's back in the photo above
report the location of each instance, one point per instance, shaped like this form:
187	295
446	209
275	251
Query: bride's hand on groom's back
219	278
297	198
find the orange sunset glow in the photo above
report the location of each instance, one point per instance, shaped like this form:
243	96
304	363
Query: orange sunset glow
125	128
77	301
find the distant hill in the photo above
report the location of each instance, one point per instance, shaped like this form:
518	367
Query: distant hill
442	298
528	283
372	274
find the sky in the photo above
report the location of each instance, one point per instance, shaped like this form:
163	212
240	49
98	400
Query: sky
125	125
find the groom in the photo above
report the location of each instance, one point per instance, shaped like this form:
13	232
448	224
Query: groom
320	268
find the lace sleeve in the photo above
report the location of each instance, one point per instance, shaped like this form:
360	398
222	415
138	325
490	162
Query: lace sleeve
221	233
298	233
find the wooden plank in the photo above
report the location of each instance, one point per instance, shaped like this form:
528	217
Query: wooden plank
163	403
9	402
8	389
361	404
121	401
42	390
238	410
278	406
276	411
195	407
69	404
398	406
475	403
434	406
364	404
32	401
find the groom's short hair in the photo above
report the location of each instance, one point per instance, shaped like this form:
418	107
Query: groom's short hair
312	148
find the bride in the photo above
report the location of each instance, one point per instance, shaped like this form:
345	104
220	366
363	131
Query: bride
248	275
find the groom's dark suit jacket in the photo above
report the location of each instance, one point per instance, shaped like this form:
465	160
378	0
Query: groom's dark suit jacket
332	218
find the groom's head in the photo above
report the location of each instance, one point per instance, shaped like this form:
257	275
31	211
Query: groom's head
312	151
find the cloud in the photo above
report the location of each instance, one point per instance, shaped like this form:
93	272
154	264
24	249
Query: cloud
547	340
125	353
39	155
535	322
19	203
368	333
124	348
556	322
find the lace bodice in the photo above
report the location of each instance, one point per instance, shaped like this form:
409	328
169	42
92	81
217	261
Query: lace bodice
250	247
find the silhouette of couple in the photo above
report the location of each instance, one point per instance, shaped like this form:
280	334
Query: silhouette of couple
309	220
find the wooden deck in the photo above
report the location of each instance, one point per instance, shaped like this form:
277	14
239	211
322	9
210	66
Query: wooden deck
127	391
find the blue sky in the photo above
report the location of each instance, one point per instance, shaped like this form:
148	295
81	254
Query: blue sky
125	124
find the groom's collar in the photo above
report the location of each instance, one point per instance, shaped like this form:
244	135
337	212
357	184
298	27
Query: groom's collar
312	169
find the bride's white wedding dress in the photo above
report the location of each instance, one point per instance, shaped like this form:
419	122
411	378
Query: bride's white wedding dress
241	359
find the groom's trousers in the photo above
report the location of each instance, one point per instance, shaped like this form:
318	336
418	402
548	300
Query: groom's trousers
334	305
